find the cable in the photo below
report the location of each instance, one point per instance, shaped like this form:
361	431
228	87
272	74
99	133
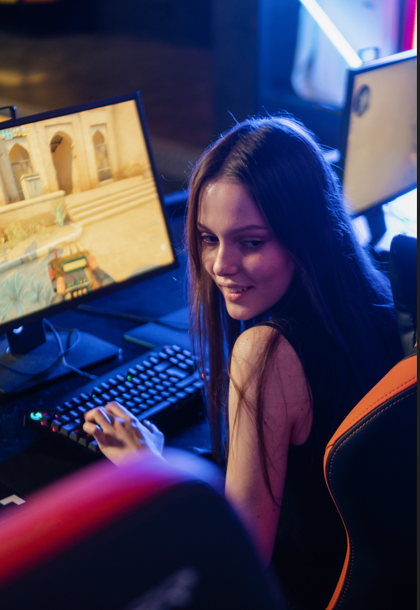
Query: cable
110	313
64	351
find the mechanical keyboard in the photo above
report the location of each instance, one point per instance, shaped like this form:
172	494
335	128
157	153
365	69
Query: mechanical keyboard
163	386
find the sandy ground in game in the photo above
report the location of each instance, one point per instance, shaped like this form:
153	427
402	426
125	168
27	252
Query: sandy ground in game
124	243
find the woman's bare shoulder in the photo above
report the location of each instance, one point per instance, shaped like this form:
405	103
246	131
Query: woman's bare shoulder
285	379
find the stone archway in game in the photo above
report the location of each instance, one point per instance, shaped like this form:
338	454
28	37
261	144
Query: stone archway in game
101	156
21	166
61	152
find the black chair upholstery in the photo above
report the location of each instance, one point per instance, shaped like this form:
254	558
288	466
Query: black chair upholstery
151	535
370	469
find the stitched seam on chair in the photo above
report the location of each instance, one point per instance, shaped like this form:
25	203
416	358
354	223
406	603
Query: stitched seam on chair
404	385
349	570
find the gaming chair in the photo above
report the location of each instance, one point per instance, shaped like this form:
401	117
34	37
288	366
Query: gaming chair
152	535
370	469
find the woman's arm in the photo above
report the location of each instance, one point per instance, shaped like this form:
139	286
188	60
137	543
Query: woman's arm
287	419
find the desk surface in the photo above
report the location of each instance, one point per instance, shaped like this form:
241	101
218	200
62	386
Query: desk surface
28	462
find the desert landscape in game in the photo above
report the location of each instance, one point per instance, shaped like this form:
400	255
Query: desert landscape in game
77	200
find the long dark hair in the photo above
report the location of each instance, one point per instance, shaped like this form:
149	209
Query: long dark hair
347	299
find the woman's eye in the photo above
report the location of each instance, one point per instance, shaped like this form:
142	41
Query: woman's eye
209	239
253	243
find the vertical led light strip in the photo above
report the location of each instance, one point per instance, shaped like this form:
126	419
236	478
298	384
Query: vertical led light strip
336	37
409	39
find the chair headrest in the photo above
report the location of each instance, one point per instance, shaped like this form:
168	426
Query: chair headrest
403	274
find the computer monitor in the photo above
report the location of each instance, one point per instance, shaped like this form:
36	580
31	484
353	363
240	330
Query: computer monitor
379	135
81	215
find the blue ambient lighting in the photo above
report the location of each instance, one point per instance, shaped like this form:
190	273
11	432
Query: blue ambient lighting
336	37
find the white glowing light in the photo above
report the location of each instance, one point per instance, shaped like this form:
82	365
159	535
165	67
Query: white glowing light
333	33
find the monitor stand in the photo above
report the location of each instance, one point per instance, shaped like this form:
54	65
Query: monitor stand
29	357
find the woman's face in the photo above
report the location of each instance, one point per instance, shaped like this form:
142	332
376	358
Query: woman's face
239	252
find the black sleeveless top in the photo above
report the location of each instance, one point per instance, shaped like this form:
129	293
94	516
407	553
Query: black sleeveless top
310	544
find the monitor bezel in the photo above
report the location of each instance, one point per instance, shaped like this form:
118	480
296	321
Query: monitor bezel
345	125
104	290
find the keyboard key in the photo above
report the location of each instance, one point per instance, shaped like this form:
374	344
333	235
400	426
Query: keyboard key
136	380
93	446
134	392
120	388
159	387
113	382
140	367
173	400
143	377
98	402
173	390
156	380
82	410
135	411
97	390
173	360
191	389
76	401
176	348
144	395
152	392
181	394
150	403
163	355
90	405
189	362
106	397
142	388
170	351
65	418
167	384
187	353
199	384
147	364
148	384
56	425
133	371
180	357
105	386
138	401
188	380
74	413
129	404
75	434
79	421
154	360
151	373
177	372
126	396
67	428
68	405
120	377
183	366
46	419
60	410
85	439
113	393
84	396
165	394
129	385
163	376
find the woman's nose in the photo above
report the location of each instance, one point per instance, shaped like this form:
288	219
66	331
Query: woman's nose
225	262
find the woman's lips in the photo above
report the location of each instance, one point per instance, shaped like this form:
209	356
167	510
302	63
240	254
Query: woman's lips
235	294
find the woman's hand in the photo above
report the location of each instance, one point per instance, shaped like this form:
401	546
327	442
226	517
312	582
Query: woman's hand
119	434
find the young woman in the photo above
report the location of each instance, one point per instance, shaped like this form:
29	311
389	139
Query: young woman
298	325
